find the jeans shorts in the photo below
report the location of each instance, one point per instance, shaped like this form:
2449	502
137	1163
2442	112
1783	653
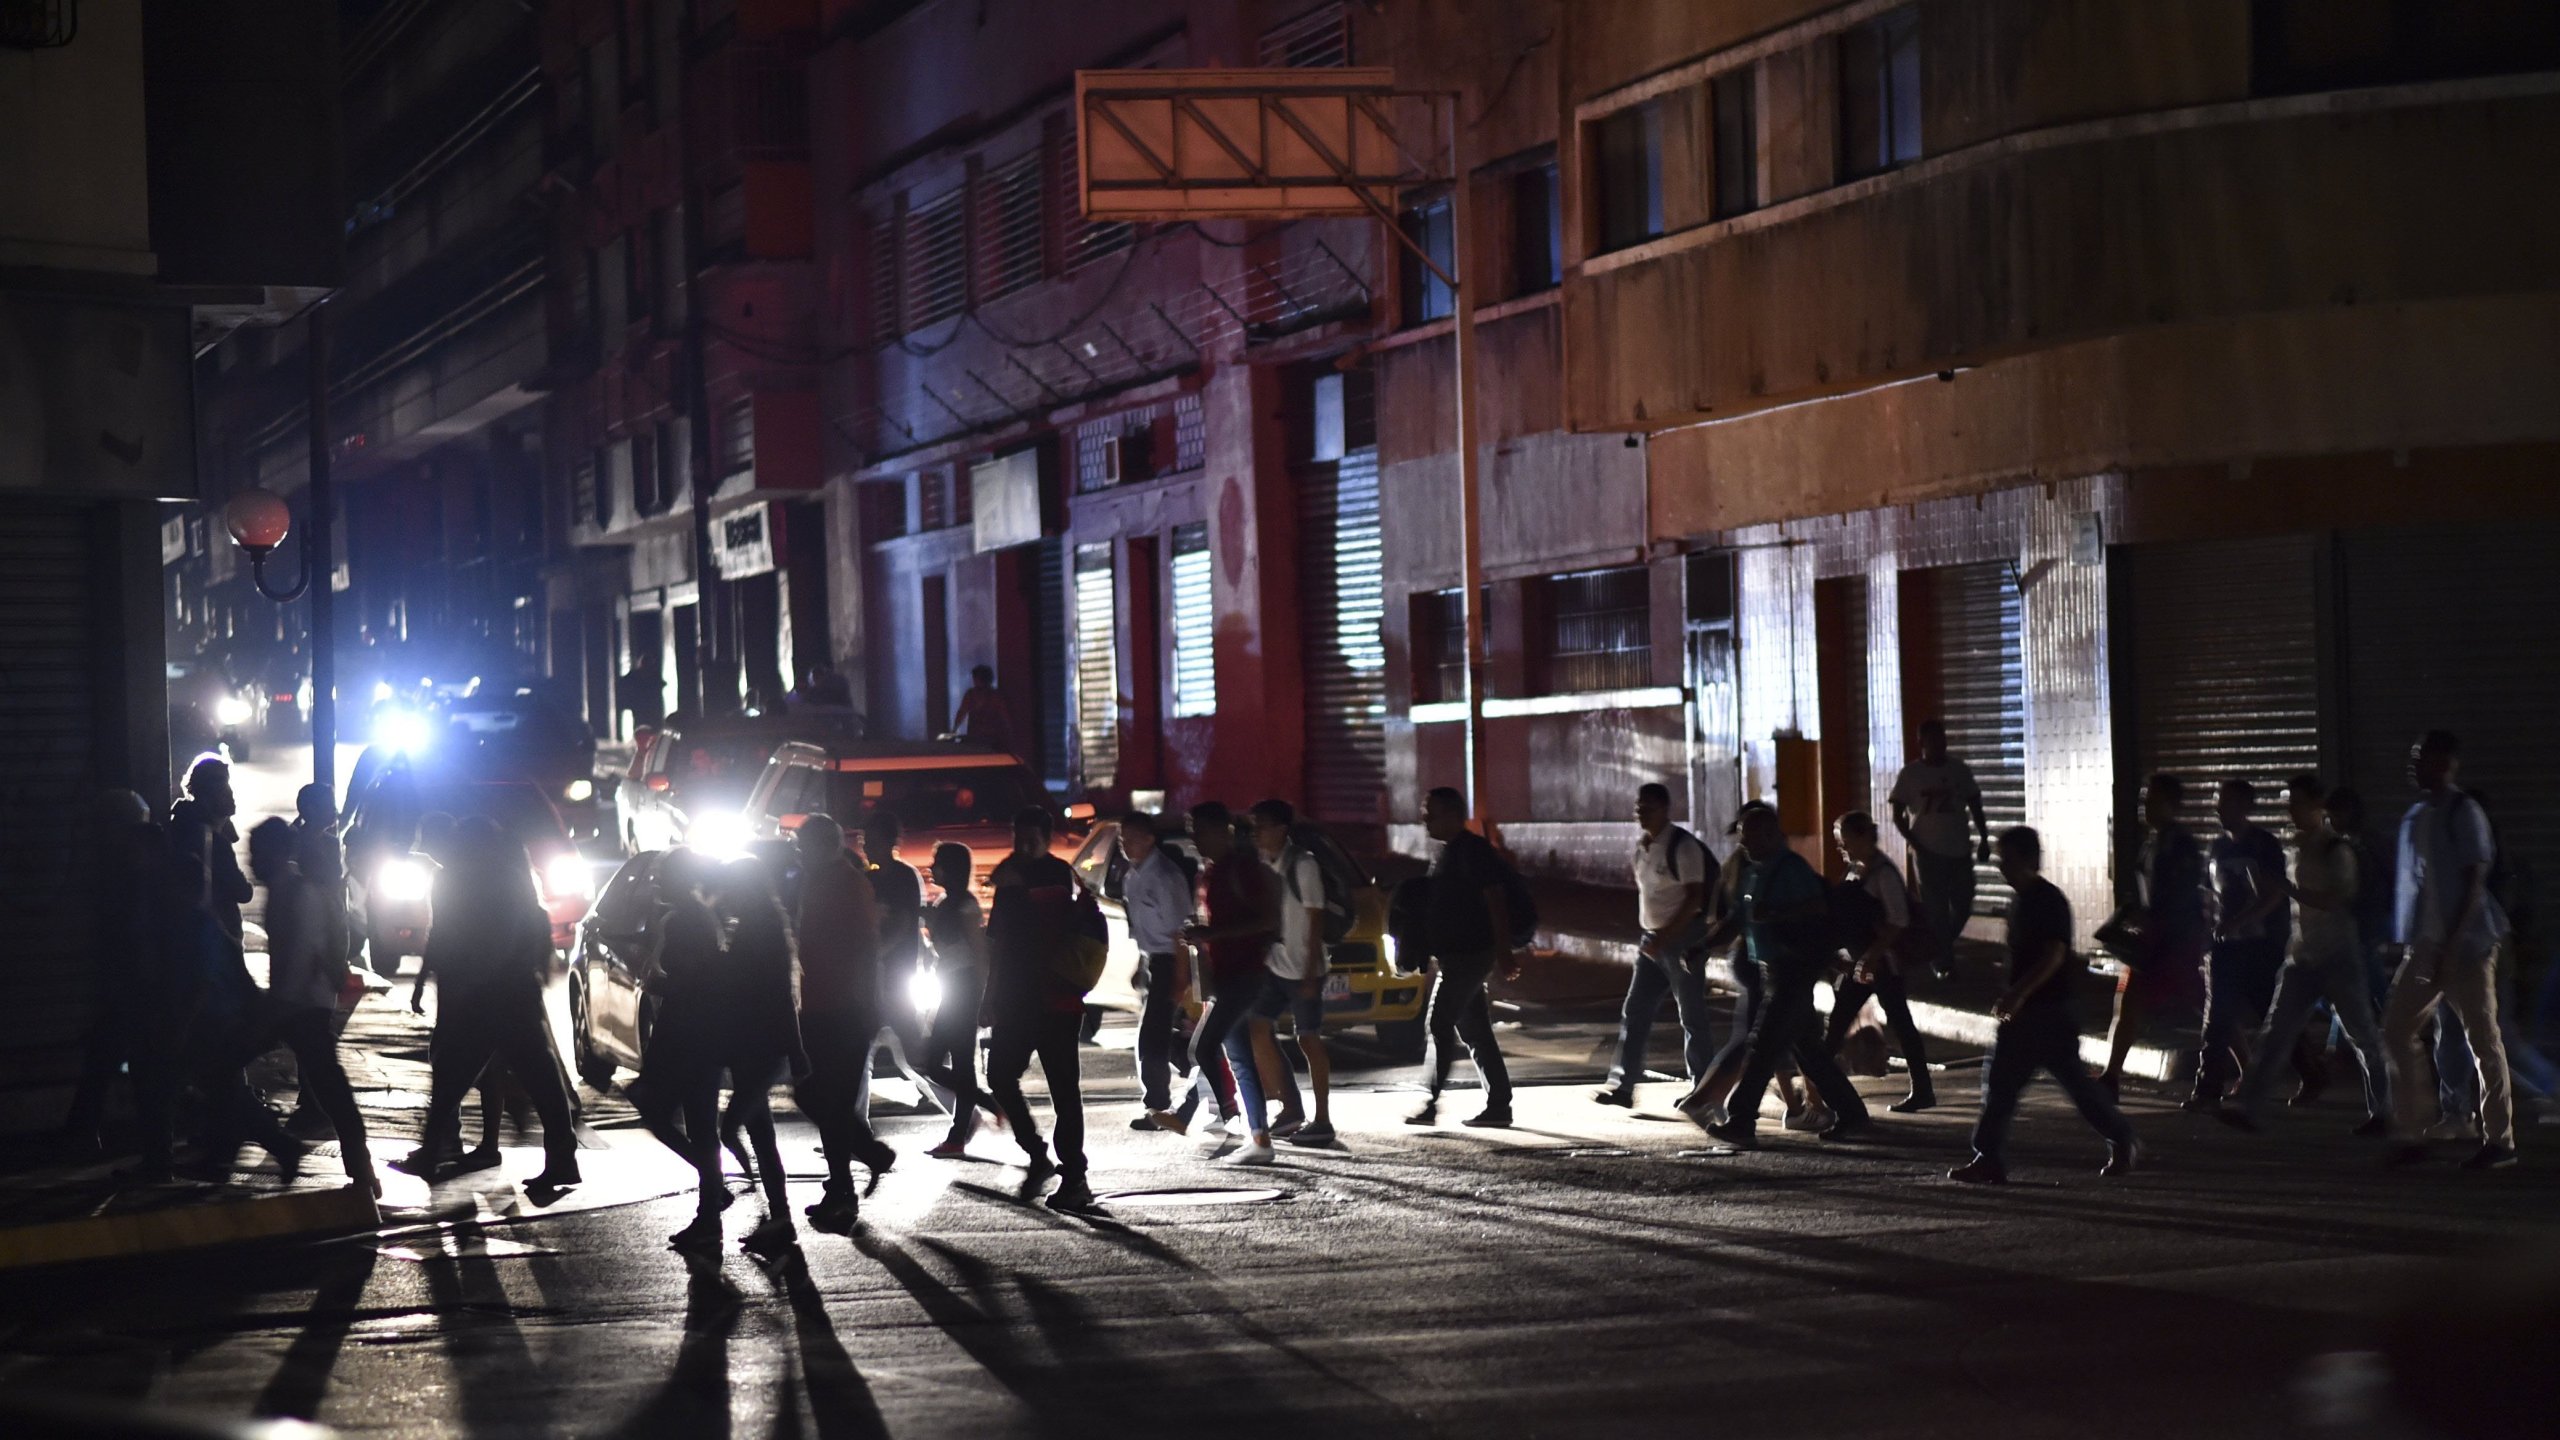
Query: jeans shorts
1283	997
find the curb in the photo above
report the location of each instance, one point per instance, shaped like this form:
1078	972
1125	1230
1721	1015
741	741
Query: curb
1938	1022
188	1227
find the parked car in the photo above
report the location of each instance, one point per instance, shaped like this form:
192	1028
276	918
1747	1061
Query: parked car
1362	985
690	767
941	791
208	711
610	961
389	882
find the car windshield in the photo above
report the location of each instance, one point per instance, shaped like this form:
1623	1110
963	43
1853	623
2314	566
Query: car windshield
400	799
712	760
932	799
508	731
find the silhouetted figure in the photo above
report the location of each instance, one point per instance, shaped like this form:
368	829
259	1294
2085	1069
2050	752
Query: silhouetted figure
306	965
1932	800
1470	928
2248	940
839	928
2168	932
201	824
760	1027
983	715
958	929
1878	956
2448	926
678	1092
1783	914
1675	876
1036	1011
1241	914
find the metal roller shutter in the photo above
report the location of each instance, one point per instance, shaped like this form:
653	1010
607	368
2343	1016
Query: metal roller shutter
2226	665
1984	698
49	724
1097	668
1053	700
2451	628
1343	595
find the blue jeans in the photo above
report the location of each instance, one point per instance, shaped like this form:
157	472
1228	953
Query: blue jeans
1683	977
2300	985
1222	1031
2240	984
2044	1038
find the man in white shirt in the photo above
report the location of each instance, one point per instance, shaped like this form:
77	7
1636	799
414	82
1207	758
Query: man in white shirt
2448	927
1295	986
1155	894
1932	799
1674	874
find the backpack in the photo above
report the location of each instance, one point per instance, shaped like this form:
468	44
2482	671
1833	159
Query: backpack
1334	870
1078	959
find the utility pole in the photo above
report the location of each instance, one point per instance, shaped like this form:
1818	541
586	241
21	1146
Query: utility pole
1462	222
319	548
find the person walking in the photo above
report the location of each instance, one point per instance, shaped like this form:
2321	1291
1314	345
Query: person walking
839	933
2327	962
958	929
306	925
899	894
489	944
1036	1011
1295	985
2036	1027
678	1089
1157	897
2248	940
1932	800
2448	927
1241	898
1876	967
2167	931
201	825
1675	874
760	1029
1470	928
1783	914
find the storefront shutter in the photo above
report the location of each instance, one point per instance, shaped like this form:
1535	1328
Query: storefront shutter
1342	592
2450	628
2226	665
1055	702
1983	698
1097	668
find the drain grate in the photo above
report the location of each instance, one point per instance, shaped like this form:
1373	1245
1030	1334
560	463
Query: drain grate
1193	1197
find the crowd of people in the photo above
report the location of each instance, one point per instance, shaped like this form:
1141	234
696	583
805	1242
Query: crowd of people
796	967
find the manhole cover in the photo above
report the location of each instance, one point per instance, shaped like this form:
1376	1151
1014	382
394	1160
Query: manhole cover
1211	1196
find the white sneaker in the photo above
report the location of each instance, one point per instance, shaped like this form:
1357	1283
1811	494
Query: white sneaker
2454	1128
1812	1119
1251	1154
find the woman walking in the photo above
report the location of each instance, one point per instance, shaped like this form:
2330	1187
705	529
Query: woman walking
956	926
760	1030
678	1092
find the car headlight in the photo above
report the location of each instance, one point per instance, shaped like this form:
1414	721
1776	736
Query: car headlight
402	879
924	989
578	791
568	875
232	710
720	834
1395	960
403	730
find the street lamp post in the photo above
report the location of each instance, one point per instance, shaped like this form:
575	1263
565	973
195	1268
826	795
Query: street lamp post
258	521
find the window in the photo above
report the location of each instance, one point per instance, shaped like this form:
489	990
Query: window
1537	231
937	256
1319	39
590	499
1630	175
1439	648
1081	241
884	280
1190	432
1880	94
738	435
884	510
1195	671
1735	98
1599	630
648	496
1009	234
933	500
1097	668
1427	297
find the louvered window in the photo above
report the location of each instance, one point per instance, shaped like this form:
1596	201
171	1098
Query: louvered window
884	280
1009	232
591	499
1080	240
1599	631
933	503
937	261
738	435
1190	432
1319	39
1195	671
1097	668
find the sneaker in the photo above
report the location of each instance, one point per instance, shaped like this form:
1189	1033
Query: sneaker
1980	1170
954	1148
1428	1114
1315	1132
560	1177
1736	1133
2239	1120
836	1214
1624	1097
1039	1167
2491	1157
1254	1152
1812	1118
881	1158
1072	1194
1491	1117
484	1158
2201	1104
1287	1125
772	1236
702	1235
1915	1102
1849	1129
1169	1120
826	1197
2373	1125
1146	1121
2454	1127
2122	1157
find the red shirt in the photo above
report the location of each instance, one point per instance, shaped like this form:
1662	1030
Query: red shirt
1237	891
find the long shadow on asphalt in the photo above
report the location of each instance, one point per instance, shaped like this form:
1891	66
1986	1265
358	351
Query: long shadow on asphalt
694	1401
302	1377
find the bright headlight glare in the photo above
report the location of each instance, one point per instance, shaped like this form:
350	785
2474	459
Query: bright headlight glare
231	710
381	691
401	878
567	875
579	790
924	988
718	834
404	730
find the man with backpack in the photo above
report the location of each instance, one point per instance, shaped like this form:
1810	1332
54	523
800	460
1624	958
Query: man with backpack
1475	926
1037	941
1783	913
1674	873
2448	926
1295	986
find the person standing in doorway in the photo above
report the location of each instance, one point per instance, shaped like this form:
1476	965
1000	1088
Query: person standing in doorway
2248	940
1783	914
2448	926
2169	932
1933	799
1876	964
1674	874
983	715
1155	893
2327	963
2037	1030
839	930
1036	1014
1470	930
1295	987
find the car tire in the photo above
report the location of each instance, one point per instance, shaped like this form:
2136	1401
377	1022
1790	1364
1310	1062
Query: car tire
1405	1040
594	1066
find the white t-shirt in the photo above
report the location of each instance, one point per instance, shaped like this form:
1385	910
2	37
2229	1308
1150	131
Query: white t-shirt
1941	800
2328	867
1662	885
1884	881
1297	955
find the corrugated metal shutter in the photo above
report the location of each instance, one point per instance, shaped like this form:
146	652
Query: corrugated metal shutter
1097	668
1055	701
2226	665
49	724
1984	699
1343	598
2451	628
